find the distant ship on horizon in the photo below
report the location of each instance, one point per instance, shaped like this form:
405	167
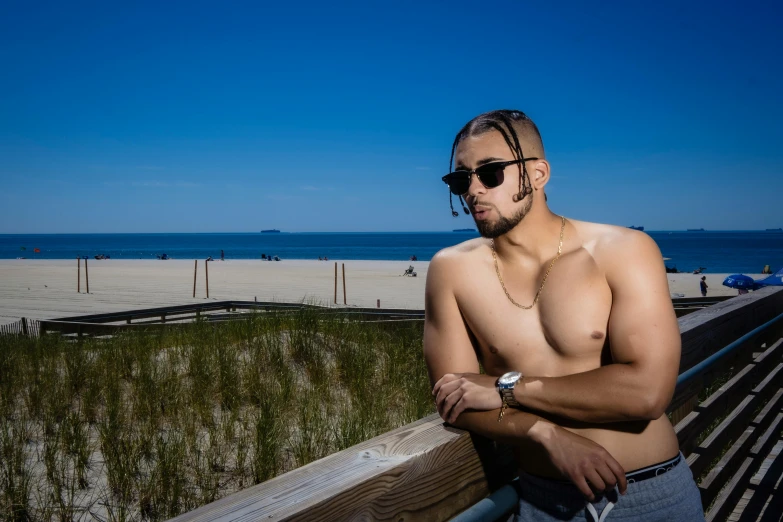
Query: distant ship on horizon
695	230
464	230
632	227
270	231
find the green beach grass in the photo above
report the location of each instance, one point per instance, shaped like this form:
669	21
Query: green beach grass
148	426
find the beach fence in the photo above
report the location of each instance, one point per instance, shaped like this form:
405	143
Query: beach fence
25	327
727	413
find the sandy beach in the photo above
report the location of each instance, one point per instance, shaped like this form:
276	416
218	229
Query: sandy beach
46	289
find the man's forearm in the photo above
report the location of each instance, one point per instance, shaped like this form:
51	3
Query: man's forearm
517	427
612	393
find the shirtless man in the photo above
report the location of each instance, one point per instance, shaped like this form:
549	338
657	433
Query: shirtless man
596	344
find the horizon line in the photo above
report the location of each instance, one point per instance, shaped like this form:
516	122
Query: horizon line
358	232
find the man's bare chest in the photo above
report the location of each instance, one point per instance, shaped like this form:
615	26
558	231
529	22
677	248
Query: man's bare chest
565	332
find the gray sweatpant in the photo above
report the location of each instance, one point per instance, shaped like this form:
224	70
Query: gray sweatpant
671	497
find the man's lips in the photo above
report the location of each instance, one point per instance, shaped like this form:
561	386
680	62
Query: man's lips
481	212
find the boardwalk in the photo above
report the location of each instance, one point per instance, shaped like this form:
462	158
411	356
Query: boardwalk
763	500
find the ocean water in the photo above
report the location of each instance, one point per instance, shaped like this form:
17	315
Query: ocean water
730	251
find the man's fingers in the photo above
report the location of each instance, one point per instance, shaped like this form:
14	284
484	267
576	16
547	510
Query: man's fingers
440	383
445	390
595	480
619	472
455	411
584	487
445	379
449	403
608	476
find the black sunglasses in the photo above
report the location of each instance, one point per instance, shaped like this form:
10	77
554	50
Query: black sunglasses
489	175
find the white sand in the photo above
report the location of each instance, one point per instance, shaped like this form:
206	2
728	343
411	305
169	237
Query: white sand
46	289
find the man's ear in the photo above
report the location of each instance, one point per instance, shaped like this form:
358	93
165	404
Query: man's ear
539	175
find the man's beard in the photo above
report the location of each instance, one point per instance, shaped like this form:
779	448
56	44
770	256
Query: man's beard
503	225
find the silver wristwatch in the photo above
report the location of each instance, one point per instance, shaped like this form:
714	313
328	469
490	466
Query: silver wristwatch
505	385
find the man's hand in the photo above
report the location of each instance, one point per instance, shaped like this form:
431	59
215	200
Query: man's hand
589	466
457	392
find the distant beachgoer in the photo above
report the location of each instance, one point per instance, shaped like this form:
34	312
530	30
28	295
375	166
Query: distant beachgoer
703	286
320	258
326	258
222	256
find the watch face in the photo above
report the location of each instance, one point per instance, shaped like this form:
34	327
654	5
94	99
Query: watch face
509	378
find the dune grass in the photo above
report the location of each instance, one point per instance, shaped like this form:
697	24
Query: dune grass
148	426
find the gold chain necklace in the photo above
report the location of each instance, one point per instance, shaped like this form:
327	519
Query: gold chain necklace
535	299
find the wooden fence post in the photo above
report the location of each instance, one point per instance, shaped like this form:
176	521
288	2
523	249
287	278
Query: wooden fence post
379	303
345	302
24	327
78	275
206	271
195	269
87	276
335	282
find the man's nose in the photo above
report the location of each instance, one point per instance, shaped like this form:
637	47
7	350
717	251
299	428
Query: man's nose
475	186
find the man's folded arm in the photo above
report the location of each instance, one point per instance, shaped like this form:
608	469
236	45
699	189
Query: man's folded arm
644	339
448	349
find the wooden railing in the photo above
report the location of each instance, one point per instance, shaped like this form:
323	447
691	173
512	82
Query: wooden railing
757	386
166	317
155	318
429	471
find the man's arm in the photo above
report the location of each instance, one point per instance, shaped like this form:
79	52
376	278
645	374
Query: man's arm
644	340
448	350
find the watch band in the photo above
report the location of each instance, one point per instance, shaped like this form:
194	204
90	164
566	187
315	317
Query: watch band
505	385
507	395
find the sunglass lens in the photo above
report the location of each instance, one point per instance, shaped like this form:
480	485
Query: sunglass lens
458	182
490	175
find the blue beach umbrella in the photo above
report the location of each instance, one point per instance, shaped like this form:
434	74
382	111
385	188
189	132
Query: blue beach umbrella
739	281
775	279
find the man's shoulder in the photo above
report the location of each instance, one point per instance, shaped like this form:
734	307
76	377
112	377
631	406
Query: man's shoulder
623	254
458	255
608	241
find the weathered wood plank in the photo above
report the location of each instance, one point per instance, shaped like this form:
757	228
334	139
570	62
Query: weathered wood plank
741	448
729	497
684	410
706	331
716	479
733	491
736	422
726	398
422	471
741	356
766	491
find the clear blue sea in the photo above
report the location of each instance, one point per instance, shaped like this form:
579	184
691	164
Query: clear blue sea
731	251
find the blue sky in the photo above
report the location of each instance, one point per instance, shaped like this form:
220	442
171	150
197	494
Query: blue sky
339	116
